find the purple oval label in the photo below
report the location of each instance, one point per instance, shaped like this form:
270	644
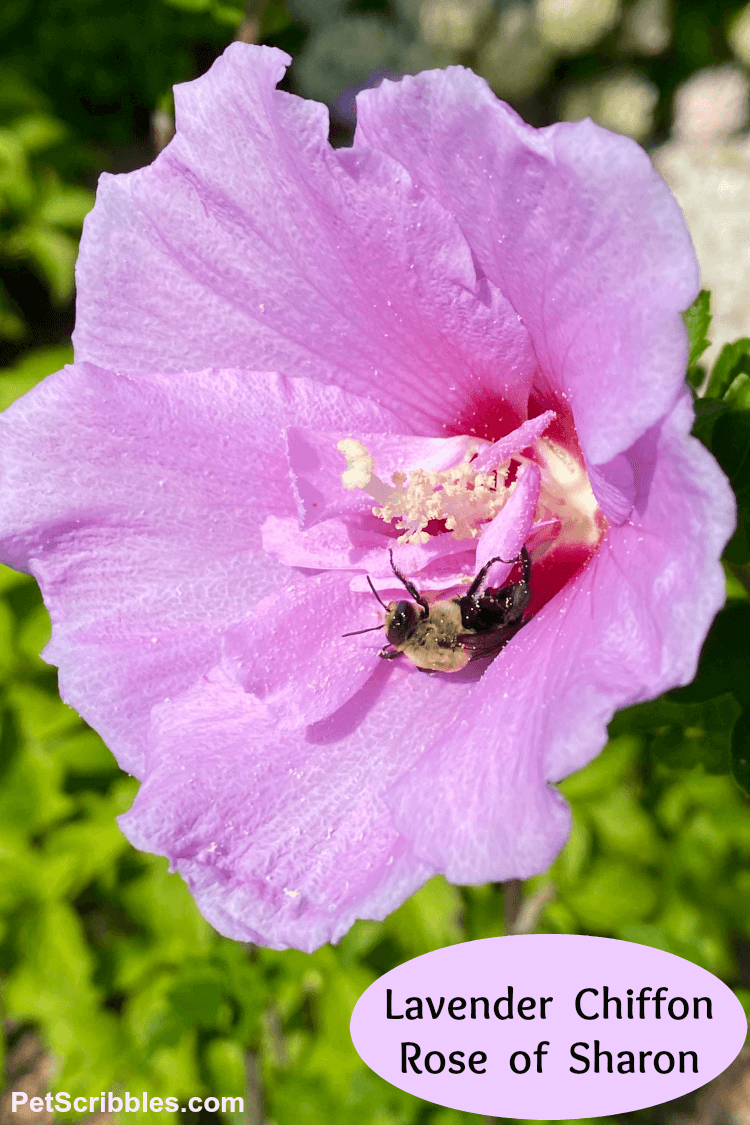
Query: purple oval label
548	1026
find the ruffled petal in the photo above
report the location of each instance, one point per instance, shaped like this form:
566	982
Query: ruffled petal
630	625
137	504
283	837
250	238
575	227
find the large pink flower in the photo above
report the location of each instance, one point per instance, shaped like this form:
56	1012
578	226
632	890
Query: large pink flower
490	311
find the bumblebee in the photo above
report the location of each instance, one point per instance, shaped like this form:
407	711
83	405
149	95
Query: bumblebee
445	635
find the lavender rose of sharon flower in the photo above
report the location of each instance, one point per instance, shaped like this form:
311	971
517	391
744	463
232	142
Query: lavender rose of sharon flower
478	324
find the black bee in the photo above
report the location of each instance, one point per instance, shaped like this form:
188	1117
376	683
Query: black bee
444	636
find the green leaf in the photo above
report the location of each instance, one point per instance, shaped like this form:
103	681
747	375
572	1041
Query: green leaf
730	444
190	5
66	207
41	716
77	853
276	17
607	770
33	635
738	395
56	968
30	370
17	189
733	360
226	13
673	935
84	753
724	660
738	582
577	852
160	901
686	734
8	658
30	798
623	828
10	578
161	1038
697	319
198	996
149	1017
225	1063
12	326
429	919
37	132
21	877
741	751
612	894
52	252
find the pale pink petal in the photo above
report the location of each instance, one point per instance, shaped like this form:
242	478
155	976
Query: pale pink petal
505	536
284	837
137	503
292	653
575	227
250	241
490	456
357	543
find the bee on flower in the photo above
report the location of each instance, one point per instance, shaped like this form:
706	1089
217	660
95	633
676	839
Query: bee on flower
477	324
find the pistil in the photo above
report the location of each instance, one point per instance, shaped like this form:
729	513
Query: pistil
460	497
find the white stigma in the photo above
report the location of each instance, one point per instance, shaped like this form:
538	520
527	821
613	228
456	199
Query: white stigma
567	494
359	472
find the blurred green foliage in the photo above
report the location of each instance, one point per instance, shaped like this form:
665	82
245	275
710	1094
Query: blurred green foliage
41	216
102	949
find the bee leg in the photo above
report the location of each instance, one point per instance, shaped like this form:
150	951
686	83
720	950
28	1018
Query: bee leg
390	653
523	557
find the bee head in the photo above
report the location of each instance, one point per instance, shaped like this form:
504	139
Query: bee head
400	622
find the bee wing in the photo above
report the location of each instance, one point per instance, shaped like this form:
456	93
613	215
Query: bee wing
488	642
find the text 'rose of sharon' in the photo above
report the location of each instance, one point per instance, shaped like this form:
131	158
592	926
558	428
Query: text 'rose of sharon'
301	370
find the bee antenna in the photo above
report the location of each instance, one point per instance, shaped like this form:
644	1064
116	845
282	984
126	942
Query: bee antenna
411	588
358	631
377	595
